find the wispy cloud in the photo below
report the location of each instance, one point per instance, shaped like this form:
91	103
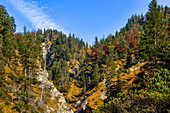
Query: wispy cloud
35	15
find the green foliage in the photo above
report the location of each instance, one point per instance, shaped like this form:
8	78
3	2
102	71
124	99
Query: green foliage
154	99
160	82
7	24
154	41
70	60
95	76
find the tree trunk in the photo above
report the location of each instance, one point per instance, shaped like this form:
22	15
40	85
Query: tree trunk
155	46
25	91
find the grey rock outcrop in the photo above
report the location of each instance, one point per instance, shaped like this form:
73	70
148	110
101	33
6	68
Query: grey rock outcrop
62	106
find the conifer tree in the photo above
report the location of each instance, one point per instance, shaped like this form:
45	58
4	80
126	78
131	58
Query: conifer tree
111	62
155	39
96	42
6	50
95	76
25	81
6	34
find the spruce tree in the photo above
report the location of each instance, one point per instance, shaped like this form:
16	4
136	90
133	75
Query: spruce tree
96	42
111	70
95	76
6	51
154	41
6	34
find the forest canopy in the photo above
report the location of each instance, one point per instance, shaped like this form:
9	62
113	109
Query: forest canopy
125	72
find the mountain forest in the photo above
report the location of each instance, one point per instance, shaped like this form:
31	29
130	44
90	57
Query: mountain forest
46	71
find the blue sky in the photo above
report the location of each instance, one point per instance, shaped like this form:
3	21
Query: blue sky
84	18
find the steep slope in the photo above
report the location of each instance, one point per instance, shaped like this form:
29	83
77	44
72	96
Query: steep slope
56	102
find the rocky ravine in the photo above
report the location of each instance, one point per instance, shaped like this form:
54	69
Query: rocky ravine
62	106
56	97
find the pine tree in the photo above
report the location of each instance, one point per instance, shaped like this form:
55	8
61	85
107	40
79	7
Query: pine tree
96	42
111	63
6	34
155	39
25	80
95	76
6	51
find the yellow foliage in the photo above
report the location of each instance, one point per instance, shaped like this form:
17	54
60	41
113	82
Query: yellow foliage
51	81
16	51
38	57
103	65
36	90
50	42
74	91
77	62
68	63
8	70
74	109
89	51
2	27
12	96
71	71
52	104
130	76
112	46
93	54
95	99
55	37
121	62
83	48
90	63
129	83
88	72
38	62
20	68
136	51
114	79
132	56
118	42
89	68
7	108
74	63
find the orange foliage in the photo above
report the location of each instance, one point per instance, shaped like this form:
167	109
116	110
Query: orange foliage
89	51
132	56
73	92
12	96
7	108
50	42
95	99
55	37
130	77
36	90
38	57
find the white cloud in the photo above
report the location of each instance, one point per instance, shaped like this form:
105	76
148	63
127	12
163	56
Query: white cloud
35	15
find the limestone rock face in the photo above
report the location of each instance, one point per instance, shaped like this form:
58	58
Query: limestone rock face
55	102
104	93
56	97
